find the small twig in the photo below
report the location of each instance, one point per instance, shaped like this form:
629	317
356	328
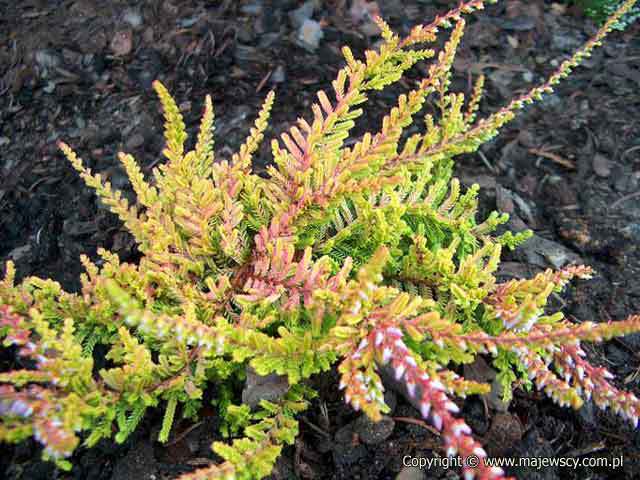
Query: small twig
554	158
183	434
263	81
485	160
589	449
622	438
628	151
624	199
485	405
35	184
316	428
418	422
223	47
152	164
200	462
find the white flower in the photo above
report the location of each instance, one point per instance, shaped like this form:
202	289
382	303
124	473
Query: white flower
437	421
437	385
452	407
386	355
411	389
479	451
395	331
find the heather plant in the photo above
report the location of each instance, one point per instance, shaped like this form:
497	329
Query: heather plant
369	257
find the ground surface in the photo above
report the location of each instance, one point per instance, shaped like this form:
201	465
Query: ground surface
568	168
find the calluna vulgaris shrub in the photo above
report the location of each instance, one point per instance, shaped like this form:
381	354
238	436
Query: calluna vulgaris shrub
369	257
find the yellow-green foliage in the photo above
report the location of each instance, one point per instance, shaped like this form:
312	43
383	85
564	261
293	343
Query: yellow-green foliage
361	256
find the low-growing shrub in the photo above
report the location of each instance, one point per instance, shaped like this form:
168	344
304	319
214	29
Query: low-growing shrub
367	256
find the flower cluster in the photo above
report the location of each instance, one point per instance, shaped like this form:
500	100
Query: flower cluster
367	255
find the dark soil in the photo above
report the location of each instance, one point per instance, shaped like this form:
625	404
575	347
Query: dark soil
568	168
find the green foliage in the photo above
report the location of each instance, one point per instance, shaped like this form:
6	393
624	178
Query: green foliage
237	417
361	255
601	10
